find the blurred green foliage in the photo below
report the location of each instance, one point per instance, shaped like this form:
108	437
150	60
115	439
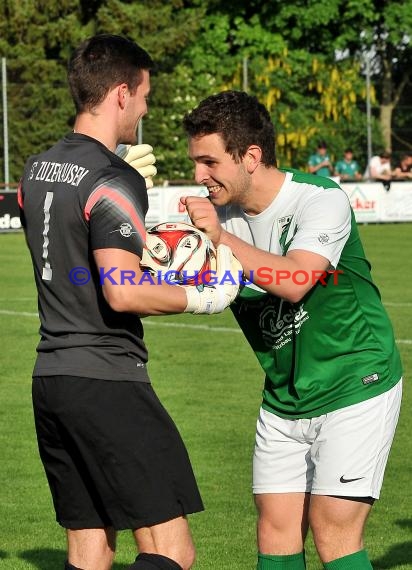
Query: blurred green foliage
304	60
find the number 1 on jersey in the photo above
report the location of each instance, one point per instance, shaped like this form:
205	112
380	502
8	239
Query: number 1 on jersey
47	270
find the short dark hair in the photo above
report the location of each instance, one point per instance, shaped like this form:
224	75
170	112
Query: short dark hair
102	62
322	144
239	119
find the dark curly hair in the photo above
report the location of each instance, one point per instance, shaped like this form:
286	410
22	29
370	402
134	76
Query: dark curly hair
239	119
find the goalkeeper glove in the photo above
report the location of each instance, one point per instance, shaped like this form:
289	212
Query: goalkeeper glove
210	299
141	158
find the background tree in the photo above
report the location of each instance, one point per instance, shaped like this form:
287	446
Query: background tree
310	95
380	28
305	61
37	40
36	44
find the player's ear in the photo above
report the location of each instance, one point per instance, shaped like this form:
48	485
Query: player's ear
122	94
252	158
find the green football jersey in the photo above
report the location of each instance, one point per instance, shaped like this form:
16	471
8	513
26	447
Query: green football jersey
336	346
316	159
349	169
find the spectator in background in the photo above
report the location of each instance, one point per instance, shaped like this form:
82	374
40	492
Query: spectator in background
320	163
348	168
404	170
380	169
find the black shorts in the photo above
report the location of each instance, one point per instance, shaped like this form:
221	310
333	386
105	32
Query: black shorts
112	454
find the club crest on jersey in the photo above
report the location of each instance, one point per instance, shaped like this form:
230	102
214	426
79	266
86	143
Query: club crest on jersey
125	230
283	223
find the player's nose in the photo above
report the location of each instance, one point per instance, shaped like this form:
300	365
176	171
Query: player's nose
201	174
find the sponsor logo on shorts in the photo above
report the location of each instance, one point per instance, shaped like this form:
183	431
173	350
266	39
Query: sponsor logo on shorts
343	480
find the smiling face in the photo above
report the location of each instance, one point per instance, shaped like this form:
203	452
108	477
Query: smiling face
227	181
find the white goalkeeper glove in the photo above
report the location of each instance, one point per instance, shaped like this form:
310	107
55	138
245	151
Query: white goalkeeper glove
141	158
210	299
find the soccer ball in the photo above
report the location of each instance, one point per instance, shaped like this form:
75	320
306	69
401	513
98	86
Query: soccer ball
179	253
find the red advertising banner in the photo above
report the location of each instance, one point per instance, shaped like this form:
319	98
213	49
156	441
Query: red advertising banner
9	212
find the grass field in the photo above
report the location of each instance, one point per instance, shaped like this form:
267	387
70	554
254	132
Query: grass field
209	381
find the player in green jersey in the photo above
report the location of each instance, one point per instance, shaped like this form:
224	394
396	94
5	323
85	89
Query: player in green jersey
315	321
319	163
348	169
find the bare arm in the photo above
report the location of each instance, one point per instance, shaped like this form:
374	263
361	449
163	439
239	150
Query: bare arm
400	175
289	277
379	176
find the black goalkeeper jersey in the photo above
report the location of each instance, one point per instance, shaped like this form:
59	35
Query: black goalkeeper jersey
74	198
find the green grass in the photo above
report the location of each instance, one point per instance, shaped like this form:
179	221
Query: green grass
210	383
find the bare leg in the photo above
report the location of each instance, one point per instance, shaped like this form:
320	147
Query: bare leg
91	548
282	523
172	539
337	525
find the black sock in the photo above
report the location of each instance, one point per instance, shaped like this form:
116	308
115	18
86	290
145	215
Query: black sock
147	561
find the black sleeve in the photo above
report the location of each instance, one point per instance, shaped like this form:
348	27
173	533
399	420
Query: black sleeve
116	211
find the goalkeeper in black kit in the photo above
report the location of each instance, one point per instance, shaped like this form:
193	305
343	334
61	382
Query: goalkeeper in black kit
112	455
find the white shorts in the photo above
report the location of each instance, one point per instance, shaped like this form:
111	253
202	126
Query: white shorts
342	453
